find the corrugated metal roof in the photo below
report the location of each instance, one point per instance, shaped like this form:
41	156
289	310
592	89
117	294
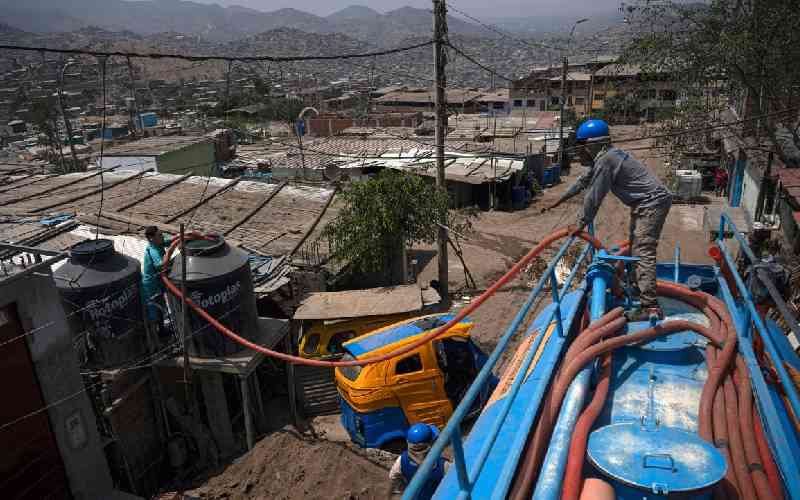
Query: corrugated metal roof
360	303
155	146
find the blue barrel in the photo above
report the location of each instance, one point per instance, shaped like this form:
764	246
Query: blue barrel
519	197
548	176
556	173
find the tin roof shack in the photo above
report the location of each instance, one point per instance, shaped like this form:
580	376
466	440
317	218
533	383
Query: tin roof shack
55	453
330	124
175	154
333	158
473	179
463	100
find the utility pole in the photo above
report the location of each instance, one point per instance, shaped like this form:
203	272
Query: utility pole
440	101
67	125
137	121
564	65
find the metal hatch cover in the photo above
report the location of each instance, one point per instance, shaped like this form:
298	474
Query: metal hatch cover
659	459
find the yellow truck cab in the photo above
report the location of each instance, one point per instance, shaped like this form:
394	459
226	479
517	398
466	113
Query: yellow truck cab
379	402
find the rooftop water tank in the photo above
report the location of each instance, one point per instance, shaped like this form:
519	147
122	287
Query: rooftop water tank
219	280
99	289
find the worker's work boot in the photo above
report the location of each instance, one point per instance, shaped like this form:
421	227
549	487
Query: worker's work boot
645	314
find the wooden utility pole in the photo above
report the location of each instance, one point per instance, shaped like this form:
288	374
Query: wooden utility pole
137	121
564	65
440	101
62	107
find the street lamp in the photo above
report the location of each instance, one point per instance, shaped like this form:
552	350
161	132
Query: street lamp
67	125
565	67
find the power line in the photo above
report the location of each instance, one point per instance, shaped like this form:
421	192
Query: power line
134	365
477	63
186	57
495	29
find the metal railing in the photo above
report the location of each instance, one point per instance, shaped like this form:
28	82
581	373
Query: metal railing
744	320
451	434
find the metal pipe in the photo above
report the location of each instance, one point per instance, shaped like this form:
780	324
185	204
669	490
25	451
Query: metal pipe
676	278
187	367
555	461
787	314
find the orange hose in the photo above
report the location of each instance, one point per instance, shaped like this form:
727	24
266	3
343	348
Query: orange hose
532	254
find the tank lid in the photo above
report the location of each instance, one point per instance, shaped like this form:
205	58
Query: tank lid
211	244
661	459
91	250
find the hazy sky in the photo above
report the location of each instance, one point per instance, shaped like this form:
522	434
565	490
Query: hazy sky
491	8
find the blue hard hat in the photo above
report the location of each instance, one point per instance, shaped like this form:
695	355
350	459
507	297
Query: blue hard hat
591	130
420	433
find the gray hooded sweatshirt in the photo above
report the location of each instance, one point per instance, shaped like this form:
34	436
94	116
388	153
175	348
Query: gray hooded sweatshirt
616	171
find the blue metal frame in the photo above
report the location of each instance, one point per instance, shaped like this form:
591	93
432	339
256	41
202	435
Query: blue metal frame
743	320
751	314
451	435
549	485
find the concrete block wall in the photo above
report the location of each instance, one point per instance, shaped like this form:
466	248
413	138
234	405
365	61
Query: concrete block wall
71	415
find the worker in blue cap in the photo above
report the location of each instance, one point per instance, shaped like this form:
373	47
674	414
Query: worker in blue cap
152	286
420	438
615	170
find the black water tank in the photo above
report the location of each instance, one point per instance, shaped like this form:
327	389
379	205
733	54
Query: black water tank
102	285
219	280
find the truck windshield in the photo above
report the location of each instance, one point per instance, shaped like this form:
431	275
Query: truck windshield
351	372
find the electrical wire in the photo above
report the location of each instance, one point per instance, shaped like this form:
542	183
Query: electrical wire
477	63
495	29
187	57
125	367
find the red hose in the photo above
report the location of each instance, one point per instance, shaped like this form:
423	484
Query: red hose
580	436
766	456
751	451
729	488
532	254
739	461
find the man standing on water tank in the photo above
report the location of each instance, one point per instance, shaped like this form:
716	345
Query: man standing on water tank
615	170
152	286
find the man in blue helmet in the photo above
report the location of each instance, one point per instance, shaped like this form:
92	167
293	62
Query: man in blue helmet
612	169
420	437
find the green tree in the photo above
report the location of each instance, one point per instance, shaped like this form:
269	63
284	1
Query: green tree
381	216
723	52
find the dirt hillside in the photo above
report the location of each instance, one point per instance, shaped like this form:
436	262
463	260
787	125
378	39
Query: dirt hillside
287	465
